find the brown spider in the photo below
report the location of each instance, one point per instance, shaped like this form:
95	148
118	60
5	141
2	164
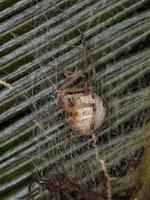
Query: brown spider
85	110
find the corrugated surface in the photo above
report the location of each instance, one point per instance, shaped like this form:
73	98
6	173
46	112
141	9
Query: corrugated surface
37	39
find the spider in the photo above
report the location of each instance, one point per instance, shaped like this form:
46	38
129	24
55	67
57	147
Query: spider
85	110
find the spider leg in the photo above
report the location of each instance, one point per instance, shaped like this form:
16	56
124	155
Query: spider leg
73	90
86	54
85	87
87	59
93	73
72	80
67	73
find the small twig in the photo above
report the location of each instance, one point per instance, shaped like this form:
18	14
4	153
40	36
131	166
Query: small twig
104	168
6	84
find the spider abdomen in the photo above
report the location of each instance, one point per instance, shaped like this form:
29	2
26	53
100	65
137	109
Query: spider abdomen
86	113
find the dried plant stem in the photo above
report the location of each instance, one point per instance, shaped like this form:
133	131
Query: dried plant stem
6	84
104	169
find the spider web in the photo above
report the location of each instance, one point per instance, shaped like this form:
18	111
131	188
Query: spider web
116	34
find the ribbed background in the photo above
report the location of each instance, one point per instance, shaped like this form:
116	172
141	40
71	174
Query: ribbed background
36	40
